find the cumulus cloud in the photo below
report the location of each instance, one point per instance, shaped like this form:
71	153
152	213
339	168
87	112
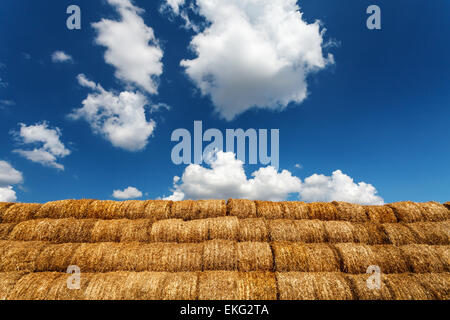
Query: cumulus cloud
8	177
226	178
131	46
253	53
120	119
338	187
128	193
60	57
50	146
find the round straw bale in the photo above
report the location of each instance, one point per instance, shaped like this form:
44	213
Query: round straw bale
339	231
242	209
56	257
201	209
282	230
257	286
20	212
194	231
434	211
444	253
358	283
309	231
225	228
220	255
253	230
64	209
54	230
34	286
6	229
356	258
141	285
3	207
390	259
370	233
166	230
422	258
350	212
180	286
295	210
59	290
98	209
7	282
332	286
254	256
108	230
398	234
322	211
407	211
157	209
431	232
134	209
19	255
436	283
136	231
407	287
269	210
380	214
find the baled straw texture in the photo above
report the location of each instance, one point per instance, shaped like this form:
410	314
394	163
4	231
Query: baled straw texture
253	229
436	283
157	209
3	207
399	234
447	205
5	230
20	212
313	286
380	214
201	209
433	233
350	212
122	230
269	209
434	211
419	212
407	287
254	256
226	285
64	209
295	210
423	258
309	231
322	211
358	283
242	209
7	282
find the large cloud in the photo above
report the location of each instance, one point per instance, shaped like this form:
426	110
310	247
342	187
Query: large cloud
8	177
131	46
121	119
253	53
226	178
50	146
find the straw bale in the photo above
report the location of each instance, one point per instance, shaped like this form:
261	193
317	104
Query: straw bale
339	231
356	258
56	257
7	282
220	255
434	211
431	232
447	205
64	209
253	229
313	286
201	209
269	209
399	234
109	230
390	259
54	230
6	229
317	257
228	285
422	258
380	214
295	210
98	209
20	212
157	209
444	253
133	209
136	231
34	286
407	287
3	207
282	230
350	212
436	283
358	283
407	211
370	233
309	231
242	209
166	230
322	211
254	256
225	228
19	256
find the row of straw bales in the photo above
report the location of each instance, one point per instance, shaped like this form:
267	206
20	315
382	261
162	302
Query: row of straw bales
32	256
189	210
225	228
222	285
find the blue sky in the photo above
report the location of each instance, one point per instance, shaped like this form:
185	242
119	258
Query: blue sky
380	113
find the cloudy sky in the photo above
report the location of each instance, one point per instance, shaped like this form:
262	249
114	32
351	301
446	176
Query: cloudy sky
363	114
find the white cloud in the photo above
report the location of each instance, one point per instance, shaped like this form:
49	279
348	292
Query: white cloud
3	84
51	148
7	194
61	56
131	46
227	179
253	53
338	187
8	177
128	193
175	5
298	166
120	119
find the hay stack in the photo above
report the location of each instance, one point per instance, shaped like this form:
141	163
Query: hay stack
444	253
434	211
56	257
5	230
423	258
3	207
339	231
254	256
201	209
253	229
226	228
399	234
361	291
122	230
20	212
34	286
157	209
295	210
322	211
313	286
64	209
300	257
309	231
220	255
407	211
380	214
269	210
350	212
226	285
7	282
407	287
390	259
242	209
282	230
19	256
98	209
437	284
430	232
356	258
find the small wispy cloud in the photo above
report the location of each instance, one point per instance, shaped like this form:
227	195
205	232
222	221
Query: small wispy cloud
61	57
